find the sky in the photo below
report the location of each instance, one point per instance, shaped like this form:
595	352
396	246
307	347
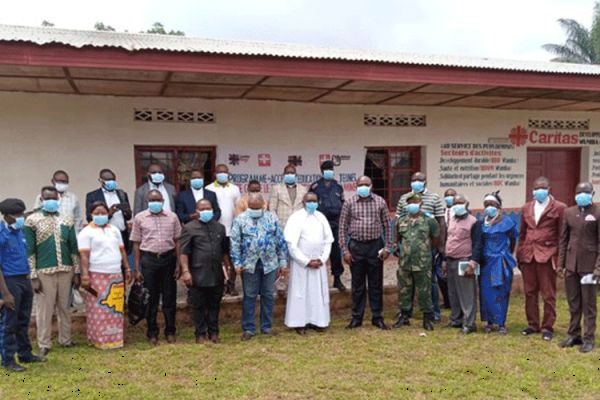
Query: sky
509	29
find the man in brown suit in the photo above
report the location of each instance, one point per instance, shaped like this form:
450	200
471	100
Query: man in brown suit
537	255
579	255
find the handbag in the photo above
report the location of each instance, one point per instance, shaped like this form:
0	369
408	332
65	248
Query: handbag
138	302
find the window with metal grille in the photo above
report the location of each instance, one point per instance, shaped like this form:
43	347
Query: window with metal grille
567	124
394	120
167	115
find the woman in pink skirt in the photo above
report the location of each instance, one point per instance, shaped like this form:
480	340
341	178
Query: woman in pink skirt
102	258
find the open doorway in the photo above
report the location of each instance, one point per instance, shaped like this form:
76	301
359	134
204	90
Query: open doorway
390	169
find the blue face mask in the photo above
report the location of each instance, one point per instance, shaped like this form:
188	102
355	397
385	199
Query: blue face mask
412	208
18	224
157	177
311	206
155	206
206	215
197	183
100	220
540	195
222	177
459	209
328	174
449	200
417	186
110	185
491	211
253	213
50	205
289	179
583	199
363	191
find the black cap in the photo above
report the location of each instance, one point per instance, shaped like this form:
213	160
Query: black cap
12	206
326	165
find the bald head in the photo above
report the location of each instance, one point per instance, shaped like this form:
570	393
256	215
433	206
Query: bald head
364	181
584	187
256	201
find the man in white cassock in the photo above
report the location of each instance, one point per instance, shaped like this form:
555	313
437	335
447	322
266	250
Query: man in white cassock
309	240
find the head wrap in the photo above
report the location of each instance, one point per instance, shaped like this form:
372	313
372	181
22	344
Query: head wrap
494	196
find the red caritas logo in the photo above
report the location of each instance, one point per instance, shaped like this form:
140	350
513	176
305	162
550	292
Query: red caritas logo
264	160
518	136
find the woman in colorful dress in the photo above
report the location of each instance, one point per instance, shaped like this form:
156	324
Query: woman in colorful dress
103	260
499	238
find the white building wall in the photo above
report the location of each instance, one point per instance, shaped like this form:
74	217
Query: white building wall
81	134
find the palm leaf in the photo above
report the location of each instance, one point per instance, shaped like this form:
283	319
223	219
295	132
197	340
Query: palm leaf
595	32
564	53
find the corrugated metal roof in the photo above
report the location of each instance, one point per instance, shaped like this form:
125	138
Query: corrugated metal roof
137	41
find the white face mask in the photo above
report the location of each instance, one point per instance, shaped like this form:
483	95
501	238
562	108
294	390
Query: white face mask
61	187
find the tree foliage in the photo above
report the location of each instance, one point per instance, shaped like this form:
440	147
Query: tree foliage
582	45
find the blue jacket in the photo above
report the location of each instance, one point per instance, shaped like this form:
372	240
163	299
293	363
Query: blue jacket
331	199
13	252
185	204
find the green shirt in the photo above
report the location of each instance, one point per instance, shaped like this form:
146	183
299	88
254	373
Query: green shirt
51	243
414	242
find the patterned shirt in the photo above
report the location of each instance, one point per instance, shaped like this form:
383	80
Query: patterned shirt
254	239
156	233
414	242
51	243
365	219
433	205
69	207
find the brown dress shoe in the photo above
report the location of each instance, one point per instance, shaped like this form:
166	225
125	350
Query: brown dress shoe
246	336
170	339
200	339
214	338
153	341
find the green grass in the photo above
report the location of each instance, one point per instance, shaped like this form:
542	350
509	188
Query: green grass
365	363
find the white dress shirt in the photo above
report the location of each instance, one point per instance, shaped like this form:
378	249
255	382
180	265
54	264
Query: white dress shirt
538	209
198	194
227	197
112	198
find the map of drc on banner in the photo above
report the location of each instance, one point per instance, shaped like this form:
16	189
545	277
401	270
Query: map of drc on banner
267	168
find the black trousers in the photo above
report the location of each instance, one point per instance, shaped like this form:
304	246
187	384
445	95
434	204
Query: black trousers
206	303
14	324
367	278
159	278
335	257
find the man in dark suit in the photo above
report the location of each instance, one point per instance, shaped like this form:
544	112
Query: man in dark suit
204	246
185	203
537	253
156	180
117	201
579	255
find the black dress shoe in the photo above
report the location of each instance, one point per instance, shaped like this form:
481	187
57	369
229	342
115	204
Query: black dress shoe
43	352
337	283
528	331
381	325
571	341
13	367
32	359
427	324
402	321
468	330
586	347
354	324
456	325
301	331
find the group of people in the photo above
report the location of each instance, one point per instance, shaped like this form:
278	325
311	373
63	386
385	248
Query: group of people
207	235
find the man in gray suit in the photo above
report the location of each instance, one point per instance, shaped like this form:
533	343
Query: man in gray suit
156	180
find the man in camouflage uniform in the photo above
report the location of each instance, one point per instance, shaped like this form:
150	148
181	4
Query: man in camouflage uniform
417	235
